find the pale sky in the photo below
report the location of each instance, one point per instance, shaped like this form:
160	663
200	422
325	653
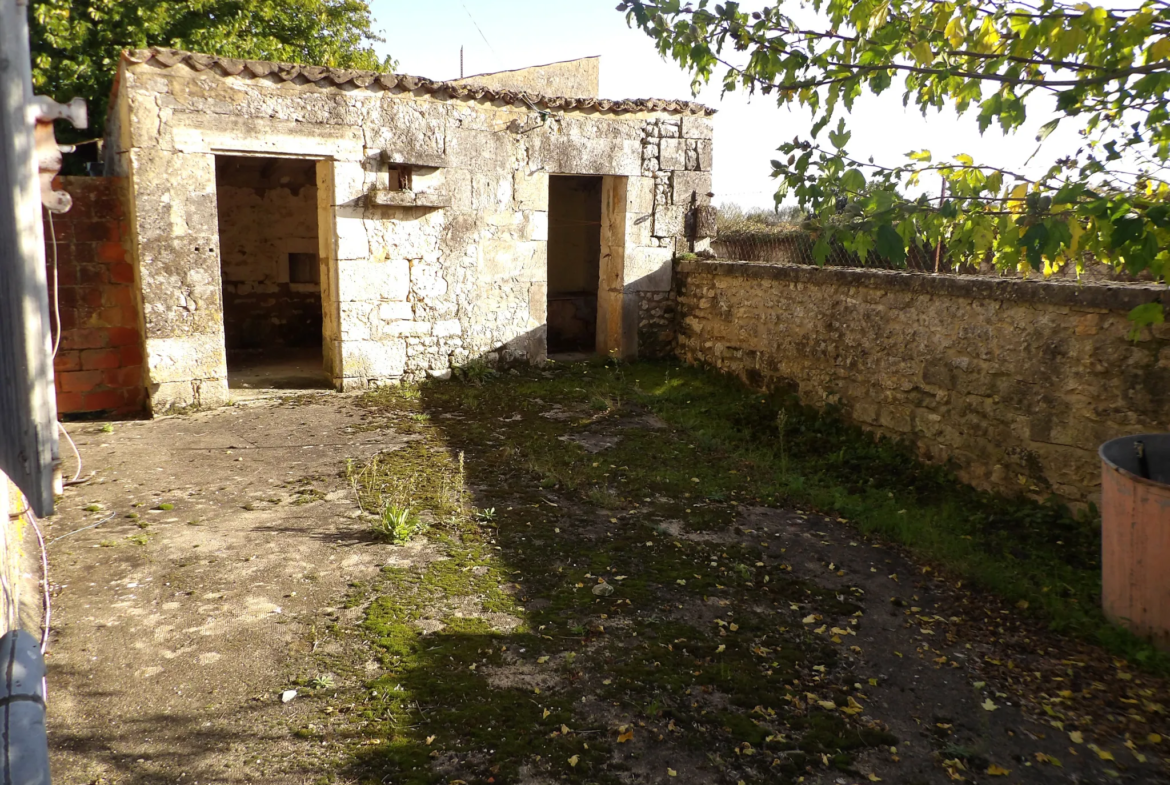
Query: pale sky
425	38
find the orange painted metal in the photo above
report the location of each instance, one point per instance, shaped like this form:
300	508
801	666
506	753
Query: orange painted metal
1135	537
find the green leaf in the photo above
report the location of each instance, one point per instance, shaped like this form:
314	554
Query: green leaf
1033	243
820	250
840	137
1047	129
853	181
1145	316
888	244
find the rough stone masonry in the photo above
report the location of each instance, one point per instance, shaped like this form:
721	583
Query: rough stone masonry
415	281
1015	383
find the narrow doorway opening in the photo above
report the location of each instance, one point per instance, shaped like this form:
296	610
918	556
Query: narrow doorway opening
574	263
271	274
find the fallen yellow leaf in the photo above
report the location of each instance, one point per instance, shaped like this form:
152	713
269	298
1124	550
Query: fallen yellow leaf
671	772
989	705
874	778
1102	754
624	737
1154	738
546	713
573	760
430	740
998	771
1077	737
722	648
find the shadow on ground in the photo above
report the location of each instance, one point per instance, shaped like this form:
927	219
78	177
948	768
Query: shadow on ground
608	593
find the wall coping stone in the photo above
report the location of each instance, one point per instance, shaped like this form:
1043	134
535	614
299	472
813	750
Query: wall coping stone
1107	296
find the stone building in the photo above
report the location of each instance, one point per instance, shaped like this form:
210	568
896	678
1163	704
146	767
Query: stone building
391	227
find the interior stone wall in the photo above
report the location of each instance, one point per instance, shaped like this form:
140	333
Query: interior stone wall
258	228
1016	383
413	285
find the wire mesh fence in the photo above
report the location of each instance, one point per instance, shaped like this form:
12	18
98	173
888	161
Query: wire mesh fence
777	245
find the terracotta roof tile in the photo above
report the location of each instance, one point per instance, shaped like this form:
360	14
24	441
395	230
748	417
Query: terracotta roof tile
336	77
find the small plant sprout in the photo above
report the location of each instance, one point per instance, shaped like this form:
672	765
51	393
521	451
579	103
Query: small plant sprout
107	428
322	682
487	515
398	524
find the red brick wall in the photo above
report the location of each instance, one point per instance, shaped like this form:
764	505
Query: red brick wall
99	363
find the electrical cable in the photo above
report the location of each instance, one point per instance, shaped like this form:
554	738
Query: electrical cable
82	529
542	112
56	301
77	454
45	582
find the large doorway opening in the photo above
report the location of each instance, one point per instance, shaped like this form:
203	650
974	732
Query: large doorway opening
271	274
574	263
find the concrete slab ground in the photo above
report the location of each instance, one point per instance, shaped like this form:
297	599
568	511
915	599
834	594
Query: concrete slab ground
228	536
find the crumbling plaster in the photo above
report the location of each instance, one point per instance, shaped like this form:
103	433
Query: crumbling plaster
409	291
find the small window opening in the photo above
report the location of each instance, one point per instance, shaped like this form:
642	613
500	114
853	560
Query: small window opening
401	178
303	268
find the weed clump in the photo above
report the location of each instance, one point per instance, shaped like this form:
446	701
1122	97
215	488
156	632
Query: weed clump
398	524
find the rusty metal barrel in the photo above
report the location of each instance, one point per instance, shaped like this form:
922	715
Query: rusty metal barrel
1135	534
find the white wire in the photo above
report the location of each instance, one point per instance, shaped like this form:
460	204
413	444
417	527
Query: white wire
56	302
45	582
77	453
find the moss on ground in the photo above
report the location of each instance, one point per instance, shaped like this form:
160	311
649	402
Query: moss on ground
591	605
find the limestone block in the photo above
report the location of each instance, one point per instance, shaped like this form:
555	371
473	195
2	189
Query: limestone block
174	194
391	312
365	279
385	359
696	127
408	131
706	153
447	328
353	243
597	127
204	133
531	190
684	184
493	152
534	226
403	328
186	359
669	221
524	261
640	195
648	269
537	304
350	183
673	154
427	281
491	192
568	155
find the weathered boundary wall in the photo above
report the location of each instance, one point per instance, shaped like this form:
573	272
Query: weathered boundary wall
98	368
1015	382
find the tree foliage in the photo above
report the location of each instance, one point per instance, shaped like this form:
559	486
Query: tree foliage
1108	71
76	43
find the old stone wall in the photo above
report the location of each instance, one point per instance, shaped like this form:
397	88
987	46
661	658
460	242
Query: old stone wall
413	282
98	368
579	78
258	229
1016	383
